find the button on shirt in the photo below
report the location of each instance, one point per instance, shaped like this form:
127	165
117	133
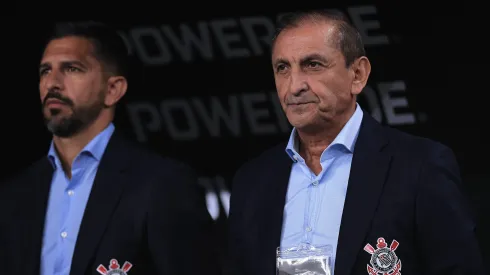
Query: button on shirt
66	205
314	203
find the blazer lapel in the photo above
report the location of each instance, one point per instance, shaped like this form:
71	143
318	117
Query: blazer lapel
42	177
104	197
272	209
367	177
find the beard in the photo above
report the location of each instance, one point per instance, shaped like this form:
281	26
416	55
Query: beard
65	124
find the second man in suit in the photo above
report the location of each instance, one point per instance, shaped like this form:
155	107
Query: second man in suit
98	204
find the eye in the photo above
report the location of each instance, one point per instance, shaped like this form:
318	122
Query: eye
314	64
43	71
280	67
72	69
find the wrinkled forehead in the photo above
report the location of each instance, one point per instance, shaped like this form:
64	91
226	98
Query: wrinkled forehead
306	38
69	49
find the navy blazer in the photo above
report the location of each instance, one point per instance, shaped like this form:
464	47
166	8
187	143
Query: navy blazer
143	208
401	187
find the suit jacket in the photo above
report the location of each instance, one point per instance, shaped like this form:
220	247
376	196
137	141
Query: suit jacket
143	208
401	187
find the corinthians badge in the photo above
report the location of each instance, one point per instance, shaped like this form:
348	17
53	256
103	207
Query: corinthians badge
383	259
114	268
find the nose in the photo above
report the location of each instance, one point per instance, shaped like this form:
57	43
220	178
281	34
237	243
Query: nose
299	84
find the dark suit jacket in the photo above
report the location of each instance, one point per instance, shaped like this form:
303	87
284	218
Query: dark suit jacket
400	187
143	208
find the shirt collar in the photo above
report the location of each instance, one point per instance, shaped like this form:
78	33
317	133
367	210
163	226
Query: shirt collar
346	138
95	148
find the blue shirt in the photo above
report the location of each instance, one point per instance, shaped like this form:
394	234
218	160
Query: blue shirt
66	205
314	203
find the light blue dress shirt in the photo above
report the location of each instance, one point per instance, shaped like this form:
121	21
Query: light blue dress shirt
314	203
66	204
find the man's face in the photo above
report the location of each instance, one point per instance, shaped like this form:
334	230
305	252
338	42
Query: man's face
72	85
312	80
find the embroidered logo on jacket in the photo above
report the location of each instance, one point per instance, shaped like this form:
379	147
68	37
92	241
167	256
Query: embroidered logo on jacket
114	268
383	259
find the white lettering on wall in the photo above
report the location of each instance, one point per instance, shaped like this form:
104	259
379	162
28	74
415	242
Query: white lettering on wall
170	109
216	114
250	25
228	37
189	40
138	34
255	113
391	102
365	26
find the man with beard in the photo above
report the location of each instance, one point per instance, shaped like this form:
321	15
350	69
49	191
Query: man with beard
98	204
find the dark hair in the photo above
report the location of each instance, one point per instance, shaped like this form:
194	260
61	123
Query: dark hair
109	48
348	40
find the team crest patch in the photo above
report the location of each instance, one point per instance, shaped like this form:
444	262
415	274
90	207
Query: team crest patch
114	268
383	259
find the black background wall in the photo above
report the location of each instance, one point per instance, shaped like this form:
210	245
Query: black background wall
205	91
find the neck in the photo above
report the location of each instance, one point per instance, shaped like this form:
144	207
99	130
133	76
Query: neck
314	142
68	148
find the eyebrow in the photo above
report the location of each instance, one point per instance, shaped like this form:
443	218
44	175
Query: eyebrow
303	60
280	61
64	64
314	56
